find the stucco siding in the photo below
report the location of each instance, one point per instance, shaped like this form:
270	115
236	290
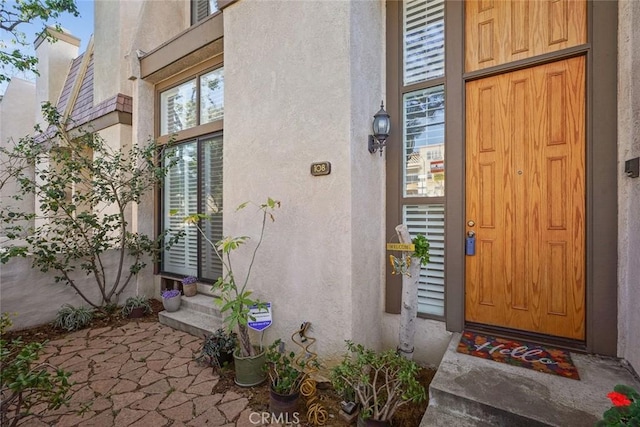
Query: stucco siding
289	102
628	188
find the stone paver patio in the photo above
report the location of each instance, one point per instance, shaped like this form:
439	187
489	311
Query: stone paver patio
140	374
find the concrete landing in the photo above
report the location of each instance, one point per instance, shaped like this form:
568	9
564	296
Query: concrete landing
470	391
198	315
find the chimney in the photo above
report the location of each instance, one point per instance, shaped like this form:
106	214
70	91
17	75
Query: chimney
54	62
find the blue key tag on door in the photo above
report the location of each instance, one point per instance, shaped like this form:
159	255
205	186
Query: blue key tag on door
470	247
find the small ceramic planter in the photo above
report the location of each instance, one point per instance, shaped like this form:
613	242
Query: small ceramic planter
171	300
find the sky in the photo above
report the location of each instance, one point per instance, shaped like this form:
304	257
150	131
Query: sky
81	27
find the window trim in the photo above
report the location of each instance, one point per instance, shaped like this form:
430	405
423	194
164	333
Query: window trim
396	90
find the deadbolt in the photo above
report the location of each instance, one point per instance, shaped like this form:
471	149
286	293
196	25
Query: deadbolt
471	223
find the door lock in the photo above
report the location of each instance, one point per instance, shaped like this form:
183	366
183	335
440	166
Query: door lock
471	223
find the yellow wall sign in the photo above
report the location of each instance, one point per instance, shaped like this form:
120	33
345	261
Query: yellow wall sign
401	247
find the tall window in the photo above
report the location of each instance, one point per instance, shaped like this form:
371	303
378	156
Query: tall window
423	144
194	184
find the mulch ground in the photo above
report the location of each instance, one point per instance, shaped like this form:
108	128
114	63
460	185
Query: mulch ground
407	416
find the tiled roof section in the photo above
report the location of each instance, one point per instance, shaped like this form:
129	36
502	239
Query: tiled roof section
84	101
69	83
83	110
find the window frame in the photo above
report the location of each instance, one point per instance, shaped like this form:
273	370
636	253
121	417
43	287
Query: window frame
200	169
197	133
395	192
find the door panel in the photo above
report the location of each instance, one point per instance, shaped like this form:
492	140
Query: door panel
525	192
499	31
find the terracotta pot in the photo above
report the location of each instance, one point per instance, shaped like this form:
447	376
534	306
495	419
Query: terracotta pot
190	290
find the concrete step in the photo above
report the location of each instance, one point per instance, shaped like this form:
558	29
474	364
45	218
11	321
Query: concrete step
202	304
198	315
478	392
437	416
205	289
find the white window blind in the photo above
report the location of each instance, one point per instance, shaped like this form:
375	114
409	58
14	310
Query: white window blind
180	200
423	28
212	96
429	221
178	108
211	204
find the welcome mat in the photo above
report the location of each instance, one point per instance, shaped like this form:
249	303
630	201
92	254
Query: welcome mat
531	356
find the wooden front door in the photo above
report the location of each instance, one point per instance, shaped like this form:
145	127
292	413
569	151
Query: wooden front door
525	199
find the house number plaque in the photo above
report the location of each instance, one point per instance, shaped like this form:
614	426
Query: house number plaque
320	168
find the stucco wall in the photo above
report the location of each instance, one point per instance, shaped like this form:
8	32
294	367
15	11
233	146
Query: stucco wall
16	120
628	188
54	62
33	298
431	339
295	95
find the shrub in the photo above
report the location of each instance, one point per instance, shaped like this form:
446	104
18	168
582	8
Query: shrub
73	318
134	302
23	384
625	410
216	345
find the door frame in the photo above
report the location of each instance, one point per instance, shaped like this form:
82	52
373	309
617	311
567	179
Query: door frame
601	175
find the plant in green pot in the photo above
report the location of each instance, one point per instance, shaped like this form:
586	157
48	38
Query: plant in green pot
235	297
381	381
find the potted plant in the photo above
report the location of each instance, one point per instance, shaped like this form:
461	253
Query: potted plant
171	299
217	348
381	382
286	374
136	307
190	286
235	297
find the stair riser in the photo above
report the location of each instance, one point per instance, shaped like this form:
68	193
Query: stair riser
461	406
210	308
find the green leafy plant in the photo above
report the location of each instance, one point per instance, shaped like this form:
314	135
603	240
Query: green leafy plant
16	13
421	248
25	384
135	302
382	382
215	346
235	297
286	370
84	190
73	318
625	410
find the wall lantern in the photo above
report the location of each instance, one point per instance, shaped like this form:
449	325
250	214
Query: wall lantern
381	128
